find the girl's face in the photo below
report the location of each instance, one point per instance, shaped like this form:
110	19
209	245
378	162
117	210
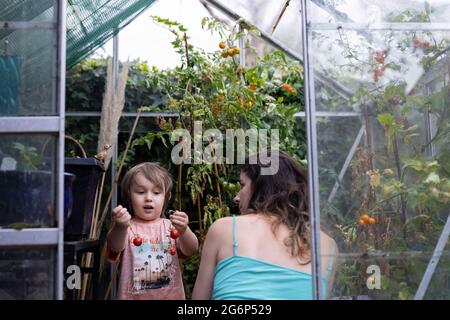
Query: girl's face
147	199
244	195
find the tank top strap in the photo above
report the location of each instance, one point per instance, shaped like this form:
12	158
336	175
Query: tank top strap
234	236
330	261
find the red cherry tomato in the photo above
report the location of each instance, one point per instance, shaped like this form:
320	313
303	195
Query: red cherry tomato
137	241
173	251
174	233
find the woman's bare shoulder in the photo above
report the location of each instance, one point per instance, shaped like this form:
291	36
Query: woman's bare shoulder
223	227
220	226
254	217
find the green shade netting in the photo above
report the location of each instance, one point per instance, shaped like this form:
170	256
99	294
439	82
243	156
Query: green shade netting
90	24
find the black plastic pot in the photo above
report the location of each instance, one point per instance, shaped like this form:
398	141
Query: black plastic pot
87	171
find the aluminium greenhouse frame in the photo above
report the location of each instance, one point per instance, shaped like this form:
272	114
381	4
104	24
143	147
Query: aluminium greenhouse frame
54	237
311	114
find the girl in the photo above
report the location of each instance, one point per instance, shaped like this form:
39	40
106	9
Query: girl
149	246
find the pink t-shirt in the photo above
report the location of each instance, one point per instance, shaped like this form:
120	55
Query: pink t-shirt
149	271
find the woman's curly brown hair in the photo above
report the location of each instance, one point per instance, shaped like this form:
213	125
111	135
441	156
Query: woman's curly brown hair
283	195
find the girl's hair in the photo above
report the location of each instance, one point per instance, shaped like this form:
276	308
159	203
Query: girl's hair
152	171
283	195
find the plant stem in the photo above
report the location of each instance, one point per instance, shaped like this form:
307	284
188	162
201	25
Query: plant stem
386	200
188	63
216	172
372	197
200	220
402	198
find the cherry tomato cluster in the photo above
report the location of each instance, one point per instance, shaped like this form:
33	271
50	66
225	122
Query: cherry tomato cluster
287	87
247	103
174	234
366	219
217	109
380	56
378	73
423	44
172	250
218	104
394	100
230	51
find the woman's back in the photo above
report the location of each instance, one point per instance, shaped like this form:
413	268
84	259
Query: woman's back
261	266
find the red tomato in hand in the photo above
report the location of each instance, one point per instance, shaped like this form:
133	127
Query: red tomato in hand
174	233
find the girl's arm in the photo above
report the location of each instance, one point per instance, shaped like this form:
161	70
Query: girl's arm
187	242
205	275
117	236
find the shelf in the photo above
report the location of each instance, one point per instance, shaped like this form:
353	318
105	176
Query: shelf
27	124
29	237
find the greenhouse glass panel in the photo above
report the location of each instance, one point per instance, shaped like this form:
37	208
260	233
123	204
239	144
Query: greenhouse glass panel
373	12
383	144
27	60
27	180
276	20
27	274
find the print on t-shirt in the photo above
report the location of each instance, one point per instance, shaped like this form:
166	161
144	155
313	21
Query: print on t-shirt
153	266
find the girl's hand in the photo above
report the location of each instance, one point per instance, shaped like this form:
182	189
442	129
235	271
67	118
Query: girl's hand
121	217
179	220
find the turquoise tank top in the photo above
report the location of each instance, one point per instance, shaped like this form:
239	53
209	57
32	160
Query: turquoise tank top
244	278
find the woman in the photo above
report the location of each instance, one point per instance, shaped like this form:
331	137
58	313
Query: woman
265	253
